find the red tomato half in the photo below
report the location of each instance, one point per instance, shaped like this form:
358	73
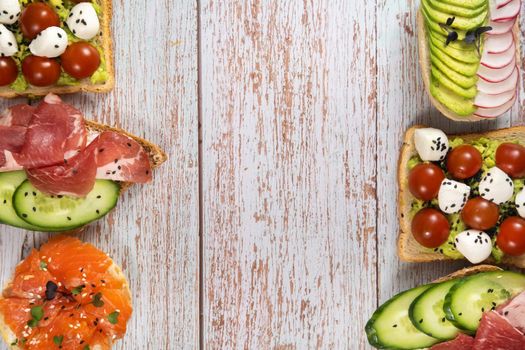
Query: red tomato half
511	236
80	60
424	181
36	17
8	71
41	71
430	228
510	158
480	214
464	161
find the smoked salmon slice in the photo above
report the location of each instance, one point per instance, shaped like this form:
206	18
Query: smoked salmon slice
68	295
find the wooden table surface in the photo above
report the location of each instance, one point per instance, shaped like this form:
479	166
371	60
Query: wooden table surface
273	225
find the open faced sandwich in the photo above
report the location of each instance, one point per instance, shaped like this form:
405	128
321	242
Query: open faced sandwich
480	308
462	197
469	56
59	46
67	295
59	172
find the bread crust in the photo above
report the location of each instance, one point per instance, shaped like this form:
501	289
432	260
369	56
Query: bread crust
408	248
115	271
85	85
425	66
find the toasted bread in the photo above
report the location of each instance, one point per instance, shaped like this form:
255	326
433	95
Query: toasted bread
10	337
425	66
85	85
467	272
156	155
408	248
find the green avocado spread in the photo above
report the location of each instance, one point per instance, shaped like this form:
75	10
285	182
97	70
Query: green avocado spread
62	8
487	148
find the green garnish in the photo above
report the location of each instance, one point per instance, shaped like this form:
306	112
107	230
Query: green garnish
43	265
14	342
86	347
77	290
32	323
37	312
113	317
58	340
97	300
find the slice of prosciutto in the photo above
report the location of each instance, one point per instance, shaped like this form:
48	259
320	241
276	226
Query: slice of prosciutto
514	312
461	342
495	332
56	133
11	140
120	158
18	115
75	177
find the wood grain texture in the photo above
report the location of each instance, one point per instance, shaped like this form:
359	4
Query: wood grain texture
288	123
153	233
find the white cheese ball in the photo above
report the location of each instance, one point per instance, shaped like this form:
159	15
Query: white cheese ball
496	186
452	196
51	42
476	246
8	44
9	11
431	144
83	21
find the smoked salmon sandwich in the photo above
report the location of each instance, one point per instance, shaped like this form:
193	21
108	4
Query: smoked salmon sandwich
68	295
59	172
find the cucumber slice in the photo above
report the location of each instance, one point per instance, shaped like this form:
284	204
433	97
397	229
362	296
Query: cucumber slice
390	326
427	315
469	298
60	213
9	182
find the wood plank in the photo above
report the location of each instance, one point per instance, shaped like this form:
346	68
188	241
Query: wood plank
153	233
288	125
402	102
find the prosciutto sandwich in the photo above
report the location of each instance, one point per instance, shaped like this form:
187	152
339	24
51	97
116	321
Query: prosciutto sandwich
59	172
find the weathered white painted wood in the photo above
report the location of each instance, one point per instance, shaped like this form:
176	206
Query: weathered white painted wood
402	102
288	123
153	233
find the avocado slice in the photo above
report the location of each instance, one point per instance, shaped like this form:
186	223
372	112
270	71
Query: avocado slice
441	41
466	69
435	28
467	56
457	104
457	10
471	92
463	81
462	23
470	4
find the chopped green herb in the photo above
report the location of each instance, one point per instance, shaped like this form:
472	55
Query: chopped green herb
86	347
14	342
37	312
58	340
43	265
113	317
77	290
97	300
32	323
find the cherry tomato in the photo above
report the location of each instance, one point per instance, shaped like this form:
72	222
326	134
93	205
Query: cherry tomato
8	71
430	228
36	17
80	60
480	214
510	158
511	236
464	161
41	71
424	181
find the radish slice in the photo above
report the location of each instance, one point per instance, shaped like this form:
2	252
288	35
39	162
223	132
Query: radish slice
508	84
490	113
498	60
501	27
498	43
505	12
484	100
501	3
496	75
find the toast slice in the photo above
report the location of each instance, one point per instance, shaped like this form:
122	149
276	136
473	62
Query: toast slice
10	337
105	42
467	272
156	155
425	66
408	248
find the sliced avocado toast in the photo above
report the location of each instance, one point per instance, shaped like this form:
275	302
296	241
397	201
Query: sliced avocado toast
438	312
